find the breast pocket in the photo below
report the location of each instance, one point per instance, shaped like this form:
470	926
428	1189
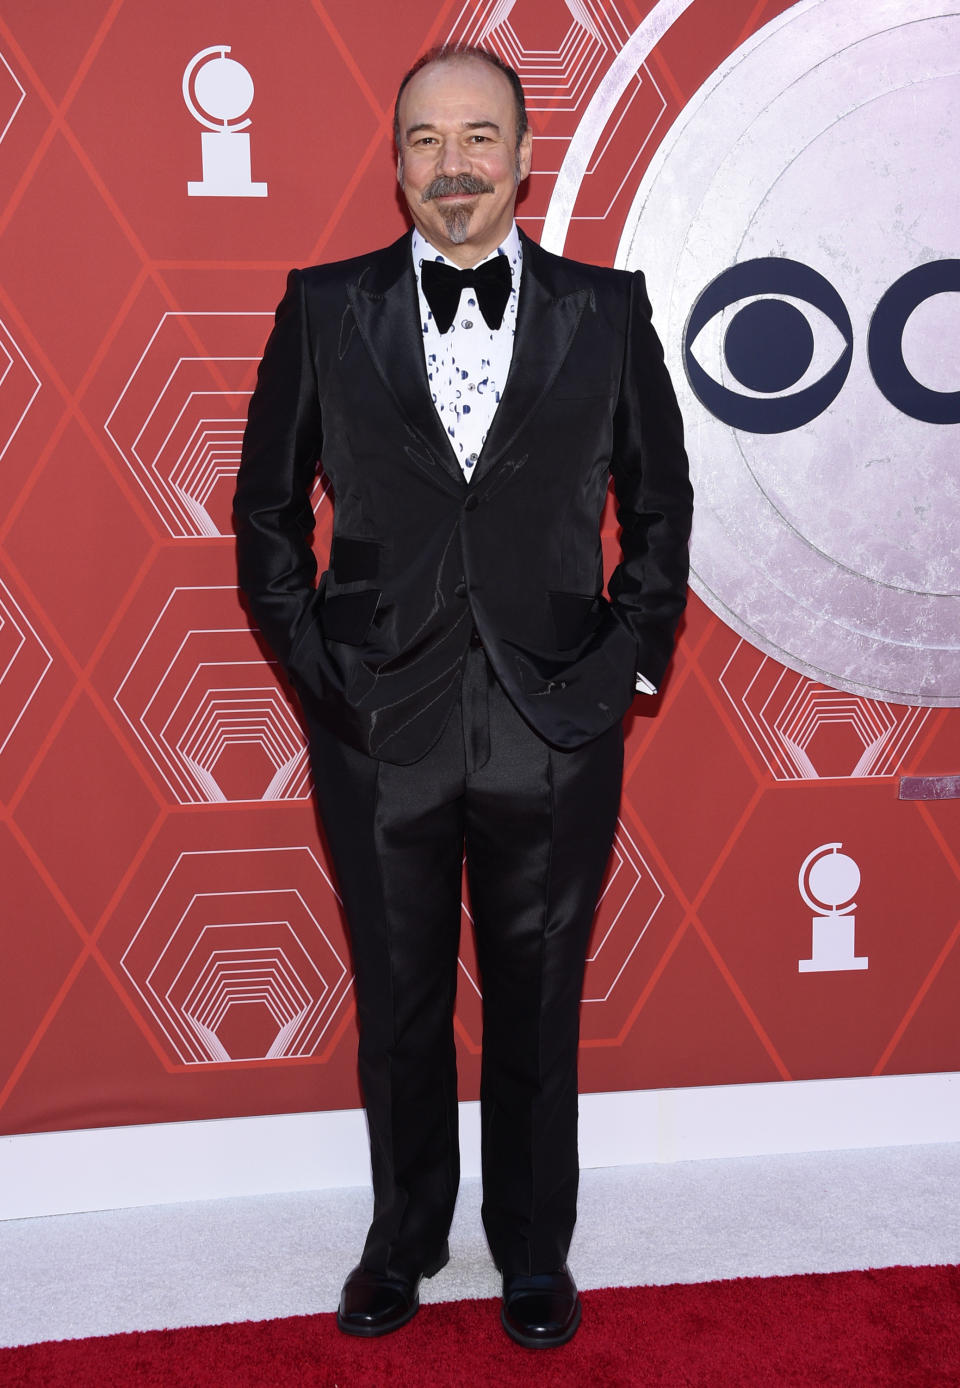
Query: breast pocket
354	560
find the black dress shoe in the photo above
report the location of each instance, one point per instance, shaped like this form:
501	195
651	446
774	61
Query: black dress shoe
374	1303
540	1311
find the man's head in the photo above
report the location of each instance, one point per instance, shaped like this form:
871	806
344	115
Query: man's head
463	147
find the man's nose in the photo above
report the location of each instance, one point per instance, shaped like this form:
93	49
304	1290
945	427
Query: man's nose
453	158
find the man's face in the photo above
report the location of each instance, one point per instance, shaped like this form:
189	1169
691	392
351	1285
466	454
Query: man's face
458	161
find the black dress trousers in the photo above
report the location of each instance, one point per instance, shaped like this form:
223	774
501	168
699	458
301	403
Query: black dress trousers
536	825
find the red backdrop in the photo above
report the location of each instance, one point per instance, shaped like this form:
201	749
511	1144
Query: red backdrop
171	941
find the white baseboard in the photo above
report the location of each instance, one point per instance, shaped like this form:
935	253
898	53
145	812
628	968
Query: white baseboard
112	1168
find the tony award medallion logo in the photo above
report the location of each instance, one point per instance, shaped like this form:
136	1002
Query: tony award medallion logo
218	91
828	880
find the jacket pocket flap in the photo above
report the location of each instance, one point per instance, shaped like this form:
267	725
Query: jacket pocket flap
353	560
347	616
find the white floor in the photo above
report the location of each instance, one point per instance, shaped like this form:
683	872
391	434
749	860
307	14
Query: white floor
243	1259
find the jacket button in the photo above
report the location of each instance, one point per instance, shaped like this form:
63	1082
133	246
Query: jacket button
471	503
461	590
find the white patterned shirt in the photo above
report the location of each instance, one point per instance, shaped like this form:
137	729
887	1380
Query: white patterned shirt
467	366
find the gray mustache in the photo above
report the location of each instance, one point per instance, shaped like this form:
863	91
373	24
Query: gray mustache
463	183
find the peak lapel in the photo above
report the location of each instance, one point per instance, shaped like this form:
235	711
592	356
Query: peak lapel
547	321
387	313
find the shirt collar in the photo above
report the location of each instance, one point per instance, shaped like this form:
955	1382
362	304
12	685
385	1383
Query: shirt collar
510	246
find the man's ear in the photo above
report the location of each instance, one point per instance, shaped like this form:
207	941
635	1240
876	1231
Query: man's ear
524	155
400	168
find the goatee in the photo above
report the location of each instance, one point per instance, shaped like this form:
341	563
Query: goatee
456	217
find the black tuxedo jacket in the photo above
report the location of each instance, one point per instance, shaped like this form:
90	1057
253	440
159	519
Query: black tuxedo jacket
420	558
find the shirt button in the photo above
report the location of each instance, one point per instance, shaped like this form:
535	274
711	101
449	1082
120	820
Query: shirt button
472	458
466	323
471	386
471	503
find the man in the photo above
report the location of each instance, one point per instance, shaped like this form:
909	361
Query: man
462	676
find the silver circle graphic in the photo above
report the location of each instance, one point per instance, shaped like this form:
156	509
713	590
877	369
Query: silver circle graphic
830	139
217	90
223	88
832	881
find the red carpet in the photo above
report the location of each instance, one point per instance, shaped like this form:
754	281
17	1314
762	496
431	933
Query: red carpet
889	1326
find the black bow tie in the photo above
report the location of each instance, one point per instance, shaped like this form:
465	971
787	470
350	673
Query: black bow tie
442	285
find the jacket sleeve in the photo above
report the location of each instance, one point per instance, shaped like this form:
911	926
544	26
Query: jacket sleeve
281	448
653	494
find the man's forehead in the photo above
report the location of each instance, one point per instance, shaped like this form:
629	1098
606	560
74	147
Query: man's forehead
451	77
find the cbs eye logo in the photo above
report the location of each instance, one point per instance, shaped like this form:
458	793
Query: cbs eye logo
793	361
